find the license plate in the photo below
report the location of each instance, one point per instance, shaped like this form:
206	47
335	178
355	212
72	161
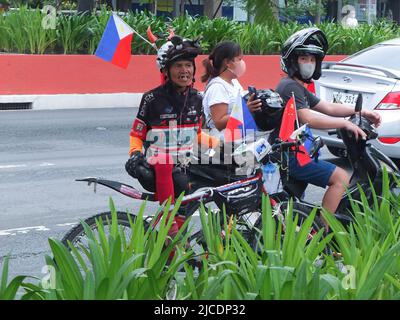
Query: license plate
345	98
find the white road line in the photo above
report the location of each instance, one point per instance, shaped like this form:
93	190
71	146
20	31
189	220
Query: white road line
12	166
46	164
14	232
66	224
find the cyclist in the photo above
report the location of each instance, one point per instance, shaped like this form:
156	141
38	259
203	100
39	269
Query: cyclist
301	58
168	123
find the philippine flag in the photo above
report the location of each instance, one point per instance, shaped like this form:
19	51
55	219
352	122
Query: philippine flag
115	44
240	120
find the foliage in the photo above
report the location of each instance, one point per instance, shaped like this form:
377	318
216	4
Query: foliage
295	8
262	11
22	32
363	261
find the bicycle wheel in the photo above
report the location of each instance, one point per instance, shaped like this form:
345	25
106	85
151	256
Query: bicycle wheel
78	237
301	210
244	224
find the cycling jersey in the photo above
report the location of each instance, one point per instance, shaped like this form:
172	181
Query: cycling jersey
168	121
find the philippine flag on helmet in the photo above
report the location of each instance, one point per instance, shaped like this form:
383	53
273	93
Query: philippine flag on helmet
240	120
115	44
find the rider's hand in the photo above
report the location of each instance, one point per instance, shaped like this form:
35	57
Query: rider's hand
372	116
358	133
131	165
254	105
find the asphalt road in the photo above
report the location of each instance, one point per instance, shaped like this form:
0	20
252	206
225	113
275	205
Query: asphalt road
41	154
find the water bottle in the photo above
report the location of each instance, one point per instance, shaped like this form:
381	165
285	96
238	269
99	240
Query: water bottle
271	177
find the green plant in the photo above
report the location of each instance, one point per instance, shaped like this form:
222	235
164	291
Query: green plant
9	291
371	246
114	266
287	264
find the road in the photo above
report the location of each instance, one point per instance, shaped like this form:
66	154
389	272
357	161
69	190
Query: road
41	154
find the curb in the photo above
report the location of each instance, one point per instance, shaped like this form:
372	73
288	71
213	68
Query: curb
75	101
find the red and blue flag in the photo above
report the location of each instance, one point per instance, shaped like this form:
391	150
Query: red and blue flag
115	44
240	120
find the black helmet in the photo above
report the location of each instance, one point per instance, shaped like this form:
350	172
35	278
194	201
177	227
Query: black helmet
271	109
309	41
176	49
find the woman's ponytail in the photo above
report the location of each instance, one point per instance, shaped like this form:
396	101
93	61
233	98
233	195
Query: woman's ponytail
214	63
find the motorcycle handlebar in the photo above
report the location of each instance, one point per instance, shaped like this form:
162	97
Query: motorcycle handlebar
284	145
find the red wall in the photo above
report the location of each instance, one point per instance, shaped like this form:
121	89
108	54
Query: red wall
52	74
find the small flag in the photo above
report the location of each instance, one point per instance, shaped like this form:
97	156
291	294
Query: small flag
115	44
288	119
287	128
309	140
239	121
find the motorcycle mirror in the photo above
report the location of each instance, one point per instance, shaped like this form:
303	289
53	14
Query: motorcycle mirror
359	103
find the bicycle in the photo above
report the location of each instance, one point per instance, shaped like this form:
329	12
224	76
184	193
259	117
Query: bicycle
240	199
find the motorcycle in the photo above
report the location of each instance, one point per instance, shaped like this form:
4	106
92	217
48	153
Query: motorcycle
368	166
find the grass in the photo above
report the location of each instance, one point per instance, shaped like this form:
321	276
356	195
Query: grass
22	32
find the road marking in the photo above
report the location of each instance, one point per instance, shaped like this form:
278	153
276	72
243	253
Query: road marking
14	232
12	166
66	224
46	164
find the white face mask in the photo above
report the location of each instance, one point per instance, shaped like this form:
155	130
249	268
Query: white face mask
306	70
239	69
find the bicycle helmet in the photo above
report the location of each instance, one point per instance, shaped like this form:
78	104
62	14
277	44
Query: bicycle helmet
309	41
271	109
176	49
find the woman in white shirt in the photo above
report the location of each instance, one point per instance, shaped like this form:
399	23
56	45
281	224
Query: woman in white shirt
223	67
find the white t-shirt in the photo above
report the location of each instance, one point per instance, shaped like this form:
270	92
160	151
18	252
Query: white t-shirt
219	91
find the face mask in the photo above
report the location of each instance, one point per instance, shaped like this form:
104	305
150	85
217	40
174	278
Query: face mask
239	69
306	70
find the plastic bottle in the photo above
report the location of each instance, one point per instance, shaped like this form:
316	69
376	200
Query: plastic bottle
271	177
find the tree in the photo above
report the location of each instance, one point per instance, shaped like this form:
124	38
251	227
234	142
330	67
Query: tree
314	8
213	9
264	11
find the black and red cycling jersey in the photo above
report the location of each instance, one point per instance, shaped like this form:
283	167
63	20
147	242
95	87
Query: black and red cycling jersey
167	120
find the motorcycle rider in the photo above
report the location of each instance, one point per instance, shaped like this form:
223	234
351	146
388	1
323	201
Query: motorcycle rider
168	123
301	58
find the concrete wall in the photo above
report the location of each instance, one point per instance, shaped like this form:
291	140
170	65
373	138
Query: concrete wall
81	81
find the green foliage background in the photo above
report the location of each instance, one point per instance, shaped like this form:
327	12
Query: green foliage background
22	32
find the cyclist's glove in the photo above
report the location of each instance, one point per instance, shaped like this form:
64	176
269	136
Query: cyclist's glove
134	161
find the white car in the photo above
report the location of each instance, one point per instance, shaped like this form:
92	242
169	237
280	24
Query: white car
374	72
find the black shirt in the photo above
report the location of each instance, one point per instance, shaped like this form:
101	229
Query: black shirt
304	99
168	120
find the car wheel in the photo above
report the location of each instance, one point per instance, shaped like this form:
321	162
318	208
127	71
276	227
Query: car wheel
338	152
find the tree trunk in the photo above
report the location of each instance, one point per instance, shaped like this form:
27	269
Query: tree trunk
317	19
179	8
212	9
275	8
